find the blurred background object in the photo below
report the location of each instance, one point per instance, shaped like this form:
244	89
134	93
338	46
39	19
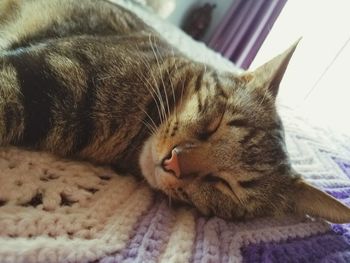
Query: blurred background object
183	7
198	20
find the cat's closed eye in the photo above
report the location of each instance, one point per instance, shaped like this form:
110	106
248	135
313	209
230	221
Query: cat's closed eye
209	129
204	135
238	123
248	184
210	178
207	132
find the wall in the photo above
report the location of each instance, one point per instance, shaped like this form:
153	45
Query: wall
317	80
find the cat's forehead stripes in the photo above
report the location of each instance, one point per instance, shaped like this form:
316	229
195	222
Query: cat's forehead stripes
220	91
198	83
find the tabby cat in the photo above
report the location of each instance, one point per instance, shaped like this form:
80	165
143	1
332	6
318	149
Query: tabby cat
90	80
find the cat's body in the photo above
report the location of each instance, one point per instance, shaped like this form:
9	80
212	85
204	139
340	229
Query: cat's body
83	83
89	79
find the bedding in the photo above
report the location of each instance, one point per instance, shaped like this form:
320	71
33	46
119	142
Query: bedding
54	210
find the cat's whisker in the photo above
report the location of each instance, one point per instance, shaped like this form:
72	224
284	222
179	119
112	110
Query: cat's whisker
153	124
150	128
162	112
147	124
159	96
171	85
150	88
176	69
161	75
152	92
160	107
163	83
182	91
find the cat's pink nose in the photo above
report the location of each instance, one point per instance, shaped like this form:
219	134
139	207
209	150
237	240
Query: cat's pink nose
172	164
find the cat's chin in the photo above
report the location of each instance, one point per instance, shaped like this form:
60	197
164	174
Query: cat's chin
152	170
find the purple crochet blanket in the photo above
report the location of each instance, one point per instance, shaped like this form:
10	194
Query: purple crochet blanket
322	156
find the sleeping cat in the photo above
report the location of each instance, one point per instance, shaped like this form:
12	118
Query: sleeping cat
90	80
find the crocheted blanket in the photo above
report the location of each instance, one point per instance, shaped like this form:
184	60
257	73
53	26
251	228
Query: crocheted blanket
54	210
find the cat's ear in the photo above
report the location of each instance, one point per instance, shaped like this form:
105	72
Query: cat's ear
271	73
309	200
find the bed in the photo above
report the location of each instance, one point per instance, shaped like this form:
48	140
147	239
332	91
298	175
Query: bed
54	210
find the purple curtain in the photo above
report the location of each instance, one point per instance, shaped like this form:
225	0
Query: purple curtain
244	28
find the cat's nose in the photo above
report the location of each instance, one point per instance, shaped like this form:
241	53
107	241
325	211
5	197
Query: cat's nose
171	163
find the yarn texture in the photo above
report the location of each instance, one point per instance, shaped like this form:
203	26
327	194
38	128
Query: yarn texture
56	210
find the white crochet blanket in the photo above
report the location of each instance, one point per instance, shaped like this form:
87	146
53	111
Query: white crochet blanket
54	210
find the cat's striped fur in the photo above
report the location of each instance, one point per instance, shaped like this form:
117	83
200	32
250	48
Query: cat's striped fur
61	78
89	79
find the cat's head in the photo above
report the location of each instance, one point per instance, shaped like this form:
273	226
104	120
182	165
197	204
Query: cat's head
223	150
